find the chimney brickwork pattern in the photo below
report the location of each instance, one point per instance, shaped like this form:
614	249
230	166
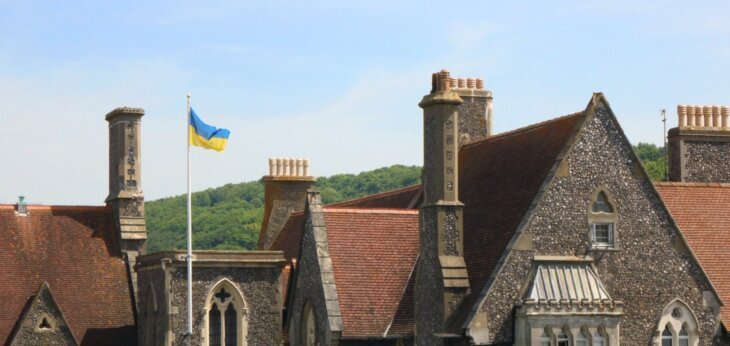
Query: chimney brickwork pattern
699	147
126	197
441	276
285	192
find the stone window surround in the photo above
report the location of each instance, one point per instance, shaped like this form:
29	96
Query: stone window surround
51	322
571	332
308	336
598	218
686	319
239	304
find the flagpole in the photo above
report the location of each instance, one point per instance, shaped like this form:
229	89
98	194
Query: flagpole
190	237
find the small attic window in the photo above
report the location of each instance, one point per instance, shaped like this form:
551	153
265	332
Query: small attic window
601	204
602	217
45	324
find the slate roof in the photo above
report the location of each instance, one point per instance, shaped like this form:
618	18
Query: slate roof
73	249
372	253
701	211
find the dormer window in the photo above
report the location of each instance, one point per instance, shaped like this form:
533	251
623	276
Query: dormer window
602	217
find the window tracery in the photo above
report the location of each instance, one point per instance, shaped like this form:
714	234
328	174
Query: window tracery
677	326
226	321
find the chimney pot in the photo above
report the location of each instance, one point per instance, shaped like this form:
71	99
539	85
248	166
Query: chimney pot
717	116
279	166
480	84
725	114
691	115
707	113
682	113
272	166
299	168
306	168
471	83
453	82
462	83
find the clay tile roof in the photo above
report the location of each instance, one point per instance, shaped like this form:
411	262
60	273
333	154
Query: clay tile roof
373	252
701	211
403	198
499	178
73	249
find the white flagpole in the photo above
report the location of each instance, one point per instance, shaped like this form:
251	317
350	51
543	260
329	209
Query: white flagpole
190	238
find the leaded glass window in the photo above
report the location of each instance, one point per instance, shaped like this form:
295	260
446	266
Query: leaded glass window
563	339
667	337
581	339
214	326
226	316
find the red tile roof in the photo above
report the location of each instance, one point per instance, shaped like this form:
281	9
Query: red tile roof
402	198
509	168
373	252
701	211
73	249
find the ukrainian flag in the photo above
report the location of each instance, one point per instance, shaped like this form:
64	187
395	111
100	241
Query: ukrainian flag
206	136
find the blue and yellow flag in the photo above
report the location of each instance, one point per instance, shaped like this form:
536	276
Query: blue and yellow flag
206	136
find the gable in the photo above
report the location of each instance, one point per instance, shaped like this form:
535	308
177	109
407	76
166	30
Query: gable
645	269
42	322
74	251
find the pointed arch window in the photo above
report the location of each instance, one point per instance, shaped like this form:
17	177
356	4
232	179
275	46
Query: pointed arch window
678	326
602	217
563	339
309	325
599	339
545	339
226	316
581	339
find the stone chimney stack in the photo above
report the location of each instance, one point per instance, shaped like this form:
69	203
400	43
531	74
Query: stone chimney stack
475	114
441	277
699	147
125	177
285	192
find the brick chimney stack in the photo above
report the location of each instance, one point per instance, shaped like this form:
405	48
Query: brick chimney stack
441	277
699	147
125	177
475	113
285	192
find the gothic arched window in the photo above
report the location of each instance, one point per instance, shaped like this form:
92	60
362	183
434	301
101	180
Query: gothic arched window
581	339
308	326
677	326
602	217
226	316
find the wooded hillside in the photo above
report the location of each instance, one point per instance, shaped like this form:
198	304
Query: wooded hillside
229	217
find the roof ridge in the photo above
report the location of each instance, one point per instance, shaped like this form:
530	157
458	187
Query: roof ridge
376	195
50	206
524	129
690	184
356	210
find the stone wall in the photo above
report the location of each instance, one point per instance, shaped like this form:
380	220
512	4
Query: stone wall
315	283
57	332
707	162
649	266
254	273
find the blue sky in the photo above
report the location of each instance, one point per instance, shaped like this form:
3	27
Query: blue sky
335	82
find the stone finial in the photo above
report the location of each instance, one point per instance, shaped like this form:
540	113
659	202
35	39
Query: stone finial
682	115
